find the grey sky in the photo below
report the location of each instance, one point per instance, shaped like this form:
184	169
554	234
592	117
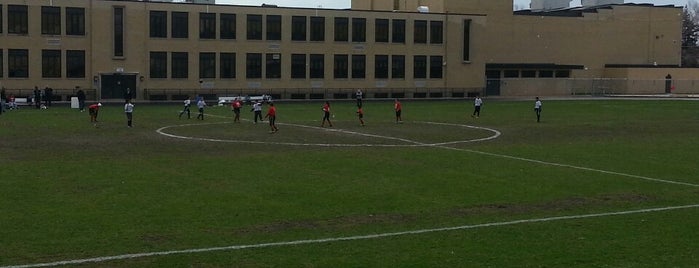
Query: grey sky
346	3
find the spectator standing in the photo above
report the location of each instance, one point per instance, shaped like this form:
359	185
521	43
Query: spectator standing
37	97
3	99
48	95
81	100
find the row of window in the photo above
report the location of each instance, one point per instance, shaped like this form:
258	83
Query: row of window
51	20
302	28
302	66
51	63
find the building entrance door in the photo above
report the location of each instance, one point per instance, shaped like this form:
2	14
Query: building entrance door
115	86
492	83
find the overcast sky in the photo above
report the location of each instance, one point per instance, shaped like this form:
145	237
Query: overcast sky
346	3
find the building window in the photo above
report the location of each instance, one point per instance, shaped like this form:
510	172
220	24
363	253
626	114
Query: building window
254	27
358	66
158	24
180	25
358	30
2	63
381	66
274	27
511	74
341	29
253	65
398	31
341	67
528	73
467	40
50	63
398	66
436	67
18	63
546	73
436	32
273	66
51	20
298	66
75	64
227	65
420	32
298	28
207	25
207	65
75	21
317	65
381	31
1	27
227	26
562	73
317	28
158	65
17	19
118	32
420	67
180	65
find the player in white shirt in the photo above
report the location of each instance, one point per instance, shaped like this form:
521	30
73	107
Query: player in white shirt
128	109
537	109
187	103
477	107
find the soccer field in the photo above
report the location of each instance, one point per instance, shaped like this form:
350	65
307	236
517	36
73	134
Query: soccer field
598	183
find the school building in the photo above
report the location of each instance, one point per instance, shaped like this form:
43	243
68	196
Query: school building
388	48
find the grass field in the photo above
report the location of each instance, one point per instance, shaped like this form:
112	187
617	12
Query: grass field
598	183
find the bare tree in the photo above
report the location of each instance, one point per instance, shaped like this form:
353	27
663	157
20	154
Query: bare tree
690	34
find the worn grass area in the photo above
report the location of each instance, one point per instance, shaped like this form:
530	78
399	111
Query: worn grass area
70	190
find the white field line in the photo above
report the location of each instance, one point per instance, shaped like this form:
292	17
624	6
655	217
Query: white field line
347	238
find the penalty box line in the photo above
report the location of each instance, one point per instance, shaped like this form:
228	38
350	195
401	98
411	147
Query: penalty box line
348	238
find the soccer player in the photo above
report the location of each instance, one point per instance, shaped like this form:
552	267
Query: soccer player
272	115
537	109
359	96
257	108
187	103
94	110
128	109
236	104
201	104
326	114
398	107
360	115
477	107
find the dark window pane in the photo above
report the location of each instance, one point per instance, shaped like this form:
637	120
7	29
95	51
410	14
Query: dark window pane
18	63
75	21
317	29
398	31
180	65
273	65
158	65
420	67
420	32
317	66
75	64
158	24
253	65
546	73
298	28
2	63
50	63
528	73
207	25
436	32
436	66
341	29
180	25
381	30
398	66
563	73
227	26
467	40
298	66
274	27
207	65
381	66
341	67
511	73
358	66
254	27
51	20
358	30
118	32
227	65
17	19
